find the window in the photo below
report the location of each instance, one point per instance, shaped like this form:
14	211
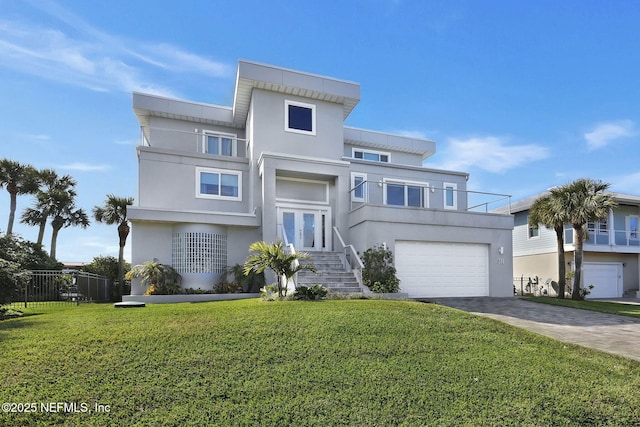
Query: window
450	196
405	194
534	230
216	184
358	187
219	144
299	117
632	227
600	227
374	156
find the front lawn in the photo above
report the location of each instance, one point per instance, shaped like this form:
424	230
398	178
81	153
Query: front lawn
619	308
352	362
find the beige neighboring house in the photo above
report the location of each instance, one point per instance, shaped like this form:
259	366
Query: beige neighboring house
611	253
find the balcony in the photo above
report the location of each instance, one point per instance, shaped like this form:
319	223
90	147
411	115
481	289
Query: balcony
201	141
404	194
600	240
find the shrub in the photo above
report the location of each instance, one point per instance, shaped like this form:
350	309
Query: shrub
312	293
161	279
227	288
270	293
13	280
379	274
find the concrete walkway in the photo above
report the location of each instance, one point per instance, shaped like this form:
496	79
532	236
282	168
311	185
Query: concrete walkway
606	332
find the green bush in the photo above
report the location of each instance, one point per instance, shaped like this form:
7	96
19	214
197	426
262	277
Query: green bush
227	288
312	293
379	274
13	280
269	293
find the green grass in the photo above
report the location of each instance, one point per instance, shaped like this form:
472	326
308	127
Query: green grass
349	363
619	308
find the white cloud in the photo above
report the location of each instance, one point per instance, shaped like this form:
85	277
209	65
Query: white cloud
490	153
85	167
606	132
94	59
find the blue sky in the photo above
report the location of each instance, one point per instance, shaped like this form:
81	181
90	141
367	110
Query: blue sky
523	95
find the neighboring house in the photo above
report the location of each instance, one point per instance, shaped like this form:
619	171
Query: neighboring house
280	164
611	252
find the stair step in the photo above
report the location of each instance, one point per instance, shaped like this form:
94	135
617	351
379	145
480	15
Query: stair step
330	273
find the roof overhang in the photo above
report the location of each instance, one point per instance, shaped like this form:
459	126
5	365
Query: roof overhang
252	75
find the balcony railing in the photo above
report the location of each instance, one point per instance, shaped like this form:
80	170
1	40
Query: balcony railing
196	141
610	237
413	195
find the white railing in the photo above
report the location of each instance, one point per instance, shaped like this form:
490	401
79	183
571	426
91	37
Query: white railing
351	256
190	141
599	237
416	195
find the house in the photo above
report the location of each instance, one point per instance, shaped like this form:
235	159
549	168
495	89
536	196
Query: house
611	253
280	164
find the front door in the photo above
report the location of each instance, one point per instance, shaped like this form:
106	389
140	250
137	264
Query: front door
305	229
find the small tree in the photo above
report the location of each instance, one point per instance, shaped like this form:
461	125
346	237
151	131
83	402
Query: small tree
272	256
159	279
108	266
379	274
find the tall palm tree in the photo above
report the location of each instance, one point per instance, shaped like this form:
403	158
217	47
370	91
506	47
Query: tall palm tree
53	190
583	200
17	179
65	216
272	256
548	211
114	211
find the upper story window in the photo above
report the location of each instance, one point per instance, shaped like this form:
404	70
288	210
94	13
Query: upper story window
374	156
358	187
218	184
221	144
450	195
633	222
299	117
533	230
600	227
411	194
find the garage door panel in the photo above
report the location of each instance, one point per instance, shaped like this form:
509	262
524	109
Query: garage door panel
433	269
605	277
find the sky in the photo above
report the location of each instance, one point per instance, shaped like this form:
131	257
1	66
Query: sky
523	95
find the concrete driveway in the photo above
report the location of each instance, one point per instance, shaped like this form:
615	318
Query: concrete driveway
606	332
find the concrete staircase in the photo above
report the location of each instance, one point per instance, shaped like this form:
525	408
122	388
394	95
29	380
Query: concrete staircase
330	273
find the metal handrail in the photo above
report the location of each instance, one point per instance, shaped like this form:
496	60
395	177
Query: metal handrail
366	189
352	257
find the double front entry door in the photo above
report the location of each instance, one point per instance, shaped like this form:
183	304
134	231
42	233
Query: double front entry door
307	229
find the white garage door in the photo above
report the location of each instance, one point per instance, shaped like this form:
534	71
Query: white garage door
606	278
431	269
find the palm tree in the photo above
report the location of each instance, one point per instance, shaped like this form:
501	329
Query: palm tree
272	256
548	211
114	211
65	216
17	179
53	191
155	276
583	200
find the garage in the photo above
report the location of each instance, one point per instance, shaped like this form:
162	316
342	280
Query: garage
435	269
606	278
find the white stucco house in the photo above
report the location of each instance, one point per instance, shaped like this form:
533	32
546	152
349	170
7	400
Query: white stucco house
611	253
281	164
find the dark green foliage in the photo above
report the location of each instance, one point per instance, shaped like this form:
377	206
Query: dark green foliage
13	280
312	293
160	279
250	282
227	288
108	266
29	255
379	274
